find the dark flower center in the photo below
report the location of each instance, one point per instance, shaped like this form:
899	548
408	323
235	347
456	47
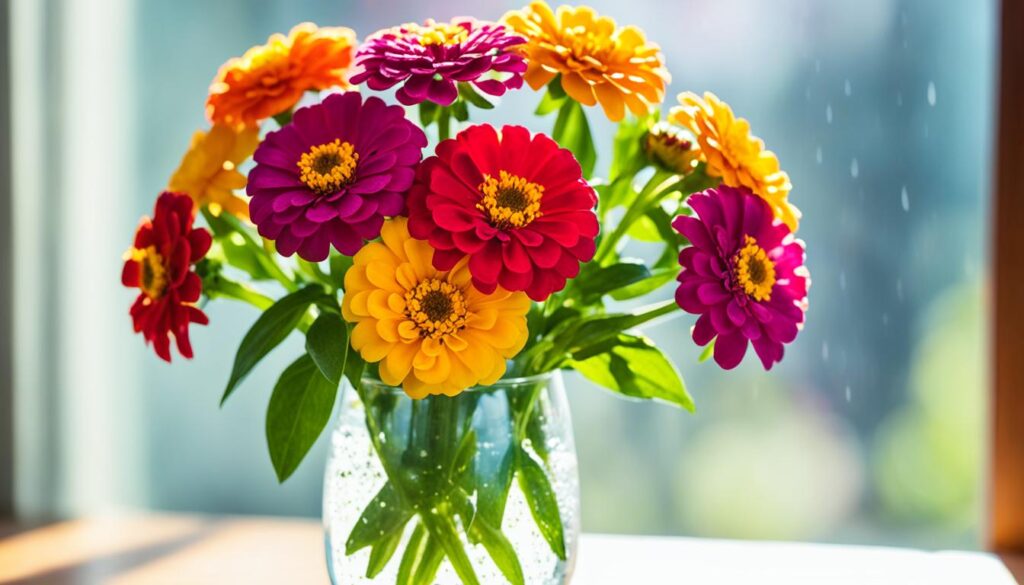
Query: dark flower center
326	168
510	201
754	271
436	307
153	275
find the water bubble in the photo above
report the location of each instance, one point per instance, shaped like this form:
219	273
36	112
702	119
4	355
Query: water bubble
905	199
854	168
847	88
383	504
423	453
818	155
931	93
828	113
382	437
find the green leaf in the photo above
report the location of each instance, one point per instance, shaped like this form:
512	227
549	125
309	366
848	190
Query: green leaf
387	512
658	278
540	497
459	110
548	104
596	281
428	112
573	132
635	367
470	94
354	368
339	264
493	480
644	230
443	530
709	350
272	327
382	552
628	155
327	344
299	409
501	550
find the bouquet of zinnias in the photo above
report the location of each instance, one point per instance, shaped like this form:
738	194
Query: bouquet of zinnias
444	256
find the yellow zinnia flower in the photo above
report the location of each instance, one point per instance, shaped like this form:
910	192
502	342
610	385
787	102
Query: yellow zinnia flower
433	332
208	172
598	61
270	79
733	154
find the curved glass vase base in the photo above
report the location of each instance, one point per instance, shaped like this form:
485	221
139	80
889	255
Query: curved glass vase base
487	478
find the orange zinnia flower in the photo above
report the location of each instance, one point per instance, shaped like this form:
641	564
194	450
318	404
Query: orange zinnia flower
271	78
598	61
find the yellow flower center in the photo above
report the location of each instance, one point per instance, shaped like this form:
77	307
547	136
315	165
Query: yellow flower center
326	168
436	307
153	277
754	271
441	33
510	201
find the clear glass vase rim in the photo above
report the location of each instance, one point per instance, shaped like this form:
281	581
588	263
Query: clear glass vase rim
504	383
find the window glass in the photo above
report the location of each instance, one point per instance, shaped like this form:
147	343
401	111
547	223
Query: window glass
871	430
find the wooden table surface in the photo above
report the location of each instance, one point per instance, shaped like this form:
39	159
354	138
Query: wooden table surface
170	549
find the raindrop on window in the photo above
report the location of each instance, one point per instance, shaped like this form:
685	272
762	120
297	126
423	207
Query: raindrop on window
899	98
899	289
854	169
849	394
842	280
905	199
824	351
818	155
817	65
931	93
828	113
847	88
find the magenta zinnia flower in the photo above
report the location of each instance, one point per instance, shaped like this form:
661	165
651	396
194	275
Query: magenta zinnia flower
333	174
744	275
429	59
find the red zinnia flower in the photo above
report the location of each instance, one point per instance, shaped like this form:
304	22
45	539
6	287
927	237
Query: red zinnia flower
517	205
159	264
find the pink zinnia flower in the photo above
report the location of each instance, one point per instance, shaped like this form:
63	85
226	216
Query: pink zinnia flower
333	174
429	59
744	275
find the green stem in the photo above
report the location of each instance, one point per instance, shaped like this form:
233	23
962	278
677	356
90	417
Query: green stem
222	287
265	257
658	185
444	119
283	118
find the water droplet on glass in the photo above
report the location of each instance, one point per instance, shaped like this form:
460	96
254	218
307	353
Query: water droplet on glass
383	504
818	155
854	169
899	98
817	65
842	280
824	351
931	93
848	394
885	319
423	453
847	88
382	437
905	199
899	289
828	113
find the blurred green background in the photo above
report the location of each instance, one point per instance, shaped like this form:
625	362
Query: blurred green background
872	429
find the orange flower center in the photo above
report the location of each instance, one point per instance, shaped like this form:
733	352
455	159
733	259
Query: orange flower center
754	271
326	168
153	277
440	33
436	307
510	201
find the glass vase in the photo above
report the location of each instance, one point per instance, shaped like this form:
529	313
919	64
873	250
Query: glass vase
477	488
